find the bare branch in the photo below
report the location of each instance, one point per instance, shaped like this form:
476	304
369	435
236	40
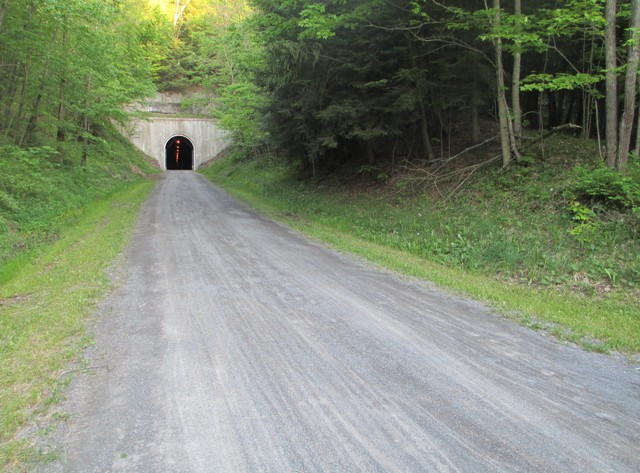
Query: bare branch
554	130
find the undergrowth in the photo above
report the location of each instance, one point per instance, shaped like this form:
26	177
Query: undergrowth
42	189
519	226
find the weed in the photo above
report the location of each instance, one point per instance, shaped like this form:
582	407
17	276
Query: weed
606	188
587	225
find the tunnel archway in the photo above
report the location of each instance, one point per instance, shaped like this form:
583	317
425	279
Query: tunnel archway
179	154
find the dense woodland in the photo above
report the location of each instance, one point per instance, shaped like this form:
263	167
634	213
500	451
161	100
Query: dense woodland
322	83
326	83
326	86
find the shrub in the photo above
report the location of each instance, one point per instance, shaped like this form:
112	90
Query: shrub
604	188
586	224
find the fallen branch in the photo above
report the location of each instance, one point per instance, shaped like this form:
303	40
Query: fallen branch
471	169
471	148
553	131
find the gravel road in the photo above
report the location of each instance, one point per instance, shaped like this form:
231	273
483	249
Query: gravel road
234	345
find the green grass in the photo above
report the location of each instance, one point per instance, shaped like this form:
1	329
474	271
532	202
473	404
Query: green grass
61	222
41	190
506	239
45	300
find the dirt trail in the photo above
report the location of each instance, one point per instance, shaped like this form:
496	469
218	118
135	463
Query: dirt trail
234	345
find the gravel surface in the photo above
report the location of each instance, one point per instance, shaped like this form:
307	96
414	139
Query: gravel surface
234	345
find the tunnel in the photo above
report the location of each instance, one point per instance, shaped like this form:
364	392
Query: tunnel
179	154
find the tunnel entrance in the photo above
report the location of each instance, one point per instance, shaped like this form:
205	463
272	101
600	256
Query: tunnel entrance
179	154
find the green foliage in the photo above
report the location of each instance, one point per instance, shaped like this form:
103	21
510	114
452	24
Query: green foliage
336	88
196	52
574	17
316	22
39	194
322	84
542	82
69	67
374	171
605	204
239	101
587	225
604	188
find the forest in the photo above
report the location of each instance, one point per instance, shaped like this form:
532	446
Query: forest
325	83
415	94
322	83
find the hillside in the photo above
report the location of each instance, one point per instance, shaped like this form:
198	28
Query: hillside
40	193
544	227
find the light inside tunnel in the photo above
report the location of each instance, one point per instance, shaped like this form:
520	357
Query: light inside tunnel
179	154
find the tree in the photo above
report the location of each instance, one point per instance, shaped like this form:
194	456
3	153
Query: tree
68	62
626	122
238	99
503	108
369	79
515	77
610	51
348	81
3	11
178	16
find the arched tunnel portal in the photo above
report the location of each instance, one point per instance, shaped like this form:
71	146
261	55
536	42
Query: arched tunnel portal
157	137
179	154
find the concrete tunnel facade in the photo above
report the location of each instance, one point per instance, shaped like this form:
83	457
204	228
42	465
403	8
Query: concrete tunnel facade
178	143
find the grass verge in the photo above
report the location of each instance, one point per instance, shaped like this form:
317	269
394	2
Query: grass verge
44	304
386	230
42	188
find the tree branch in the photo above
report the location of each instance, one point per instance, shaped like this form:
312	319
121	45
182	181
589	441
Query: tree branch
554	130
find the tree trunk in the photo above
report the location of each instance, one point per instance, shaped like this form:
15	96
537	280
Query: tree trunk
33	120
60	135
425	136
83	139
474	111
637	147
371	157
611	125
588	102
17	105
573	98
13	103
515	80
424	132
61	112
178	17
626	123
3	11
8	96
63	82
586	109
35	112
503	109
552	109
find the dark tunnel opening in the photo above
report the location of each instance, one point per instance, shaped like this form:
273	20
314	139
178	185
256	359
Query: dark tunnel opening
179	154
